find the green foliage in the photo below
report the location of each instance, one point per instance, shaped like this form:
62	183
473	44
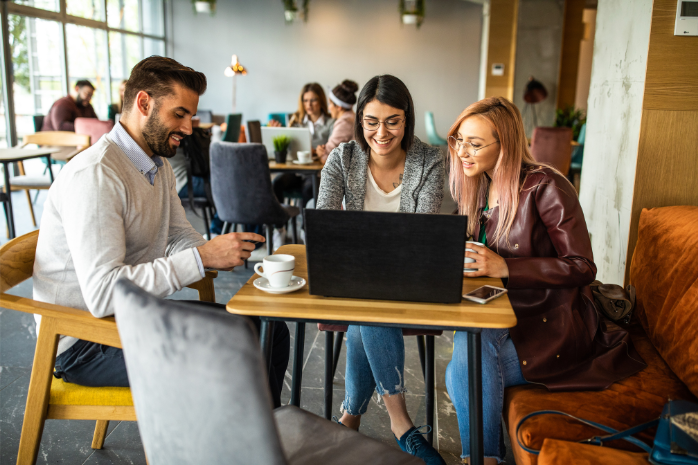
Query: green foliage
418	10
20	52
281	143
570	117
291	5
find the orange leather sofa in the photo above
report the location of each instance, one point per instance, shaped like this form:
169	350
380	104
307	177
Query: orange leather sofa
664	329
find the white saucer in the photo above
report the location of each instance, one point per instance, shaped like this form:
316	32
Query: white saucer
296	162
263	285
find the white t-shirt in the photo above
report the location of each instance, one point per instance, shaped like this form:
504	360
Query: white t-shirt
377	200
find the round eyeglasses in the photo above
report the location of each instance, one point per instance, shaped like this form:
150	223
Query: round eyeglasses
392	124
470	149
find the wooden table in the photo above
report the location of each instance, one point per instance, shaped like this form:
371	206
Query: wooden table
302	308
307	169
15	154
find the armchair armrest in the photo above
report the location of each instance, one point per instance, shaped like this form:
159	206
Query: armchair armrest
205	287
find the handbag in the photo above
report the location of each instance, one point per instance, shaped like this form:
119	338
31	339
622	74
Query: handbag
675	443
613	301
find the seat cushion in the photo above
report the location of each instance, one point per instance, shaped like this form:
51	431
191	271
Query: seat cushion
632	401
309	440
405	332
63	393
664	272
563	453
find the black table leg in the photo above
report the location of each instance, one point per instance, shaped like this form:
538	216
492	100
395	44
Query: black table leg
50	171
329	377
298	347
8	201
316	188
475	397
429	383
265	341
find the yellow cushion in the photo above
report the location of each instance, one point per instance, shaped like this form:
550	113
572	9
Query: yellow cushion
63	393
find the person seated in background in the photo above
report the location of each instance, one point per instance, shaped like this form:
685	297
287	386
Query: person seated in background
384	169
312	113
340	105
528	217
115	108
64	111
114	213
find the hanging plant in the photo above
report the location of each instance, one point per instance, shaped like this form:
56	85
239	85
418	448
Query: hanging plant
412	12
291	12
204	6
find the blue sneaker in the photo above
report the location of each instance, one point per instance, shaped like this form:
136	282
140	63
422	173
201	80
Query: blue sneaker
414	443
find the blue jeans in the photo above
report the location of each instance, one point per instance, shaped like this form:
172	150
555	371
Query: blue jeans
500	369
375	361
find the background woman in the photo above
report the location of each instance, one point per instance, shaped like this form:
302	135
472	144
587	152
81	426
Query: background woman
529	217
342	100
385	169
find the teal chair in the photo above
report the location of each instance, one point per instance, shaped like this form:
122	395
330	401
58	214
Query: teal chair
432	135
232	131
280	117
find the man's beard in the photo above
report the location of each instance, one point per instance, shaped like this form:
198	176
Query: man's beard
157	136
81	102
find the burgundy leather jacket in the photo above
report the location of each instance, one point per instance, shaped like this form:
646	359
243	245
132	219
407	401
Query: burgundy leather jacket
559	337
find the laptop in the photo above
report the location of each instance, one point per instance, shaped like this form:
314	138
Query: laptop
300	140
385	256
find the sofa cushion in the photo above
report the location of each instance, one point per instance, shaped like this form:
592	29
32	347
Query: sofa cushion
664	272
627	403
563	452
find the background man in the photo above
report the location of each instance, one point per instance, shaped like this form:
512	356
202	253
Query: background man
114	212
61	116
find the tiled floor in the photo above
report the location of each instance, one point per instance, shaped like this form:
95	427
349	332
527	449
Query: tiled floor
68	442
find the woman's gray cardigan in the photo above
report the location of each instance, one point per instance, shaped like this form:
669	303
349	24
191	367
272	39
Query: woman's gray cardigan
345	172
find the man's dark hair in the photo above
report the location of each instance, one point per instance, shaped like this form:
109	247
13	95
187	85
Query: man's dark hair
391	91
156	75
84	82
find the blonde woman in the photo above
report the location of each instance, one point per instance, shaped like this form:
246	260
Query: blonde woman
529	218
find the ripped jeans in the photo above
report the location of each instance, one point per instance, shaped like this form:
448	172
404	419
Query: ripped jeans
375	361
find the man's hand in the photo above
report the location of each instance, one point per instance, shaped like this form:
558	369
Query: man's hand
228	250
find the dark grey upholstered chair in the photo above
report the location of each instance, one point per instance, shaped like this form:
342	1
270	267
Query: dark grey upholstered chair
201	396
242	192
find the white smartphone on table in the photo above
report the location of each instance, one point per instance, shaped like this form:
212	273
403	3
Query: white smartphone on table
484	294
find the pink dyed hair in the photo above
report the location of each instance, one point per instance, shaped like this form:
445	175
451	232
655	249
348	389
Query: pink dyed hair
514	156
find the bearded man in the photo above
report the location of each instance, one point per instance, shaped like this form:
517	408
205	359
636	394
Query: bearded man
64	111
114	212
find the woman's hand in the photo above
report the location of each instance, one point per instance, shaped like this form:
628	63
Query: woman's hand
487	263
320	151
273	124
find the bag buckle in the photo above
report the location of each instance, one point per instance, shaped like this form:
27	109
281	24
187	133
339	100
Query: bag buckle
594	441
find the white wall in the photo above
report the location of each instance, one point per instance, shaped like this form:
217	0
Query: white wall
355	39
613	129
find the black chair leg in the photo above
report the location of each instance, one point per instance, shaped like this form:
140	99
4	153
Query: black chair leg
224	229
294	230
297	374
420	347
206	223
337	350
329	336
270	236
429	386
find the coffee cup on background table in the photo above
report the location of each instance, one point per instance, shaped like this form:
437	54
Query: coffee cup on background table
470	260
278	269
304	156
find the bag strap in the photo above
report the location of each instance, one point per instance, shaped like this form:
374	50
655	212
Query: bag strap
596	440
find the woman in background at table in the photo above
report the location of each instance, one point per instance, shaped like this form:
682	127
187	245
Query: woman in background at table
528	216
384	169
115	108
341	103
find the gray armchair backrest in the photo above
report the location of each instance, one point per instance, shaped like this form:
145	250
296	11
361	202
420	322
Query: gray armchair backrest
198	382
241	185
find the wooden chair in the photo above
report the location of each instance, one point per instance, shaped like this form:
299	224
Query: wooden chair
78	143
51	398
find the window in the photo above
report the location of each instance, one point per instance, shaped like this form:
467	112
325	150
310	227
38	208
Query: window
123	14
87	59
51	5
90	9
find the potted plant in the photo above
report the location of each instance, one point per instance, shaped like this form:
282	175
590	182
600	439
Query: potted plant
570	117
412	12
291	12
281	144
204	6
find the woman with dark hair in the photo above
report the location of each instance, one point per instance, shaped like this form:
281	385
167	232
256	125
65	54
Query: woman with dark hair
341	103
384	169
528	216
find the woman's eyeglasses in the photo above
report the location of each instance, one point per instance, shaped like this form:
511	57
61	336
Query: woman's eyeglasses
392	124
470	149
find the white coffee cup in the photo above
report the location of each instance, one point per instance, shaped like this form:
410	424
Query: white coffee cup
278	269
304	156
470	260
